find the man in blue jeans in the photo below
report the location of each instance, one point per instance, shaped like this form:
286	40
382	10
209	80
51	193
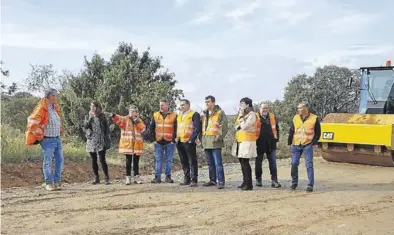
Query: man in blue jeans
304	133
214	129
163	129
44	128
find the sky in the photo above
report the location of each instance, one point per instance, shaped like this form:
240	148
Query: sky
226	48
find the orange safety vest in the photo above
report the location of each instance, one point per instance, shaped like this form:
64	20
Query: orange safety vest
272	122
242	135
304	131
213	124
38	120
131	140
164	126
185	126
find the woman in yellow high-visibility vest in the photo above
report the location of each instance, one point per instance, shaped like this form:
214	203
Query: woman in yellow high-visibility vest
245	146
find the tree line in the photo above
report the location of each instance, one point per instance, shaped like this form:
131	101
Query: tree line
130	76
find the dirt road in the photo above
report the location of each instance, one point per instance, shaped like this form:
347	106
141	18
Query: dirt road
348	199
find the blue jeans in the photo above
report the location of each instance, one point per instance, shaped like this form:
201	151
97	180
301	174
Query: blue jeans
215	164
160	151
296	152
52	147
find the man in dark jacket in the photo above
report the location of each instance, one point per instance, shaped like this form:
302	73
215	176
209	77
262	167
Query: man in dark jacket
266	144
188	130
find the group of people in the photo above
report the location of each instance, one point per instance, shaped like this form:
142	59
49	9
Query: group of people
257	133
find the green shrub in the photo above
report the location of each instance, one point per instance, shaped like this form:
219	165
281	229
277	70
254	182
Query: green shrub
14	150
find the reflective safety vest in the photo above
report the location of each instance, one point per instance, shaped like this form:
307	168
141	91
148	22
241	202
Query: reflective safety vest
304	131
272	122
38	120
164	126
213	124
185	126
131	140
258	125
250	135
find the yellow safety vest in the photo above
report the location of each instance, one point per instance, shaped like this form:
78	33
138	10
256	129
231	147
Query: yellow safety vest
304	131
185	126
213	124
164	126
242	135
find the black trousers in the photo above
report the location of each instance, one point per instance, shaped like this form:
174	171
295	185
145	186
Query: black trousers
246	172
271	162
103	162
188	156
135	161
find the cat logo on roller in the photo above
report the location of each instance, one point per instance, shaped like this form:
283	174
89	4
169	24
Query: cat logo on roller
328	135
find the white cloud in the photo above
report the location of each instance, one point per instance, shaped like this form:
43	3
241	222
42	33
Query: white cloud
352	21
262	42
186	87
204	17
241	77
349	56
244	10
180	3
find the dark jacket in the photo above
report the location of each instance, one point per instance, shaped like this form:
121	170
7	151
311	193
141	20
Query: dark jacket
196	127
317	130
215	142
266	141
103	126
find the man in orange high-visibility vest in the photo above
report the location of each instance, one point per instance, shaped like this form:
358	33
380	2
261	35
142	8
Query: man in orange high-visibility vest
304	134
266	144
163	130
44	127
188	130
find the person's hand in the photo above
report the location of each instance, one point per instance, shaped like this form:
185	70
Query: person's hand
241	112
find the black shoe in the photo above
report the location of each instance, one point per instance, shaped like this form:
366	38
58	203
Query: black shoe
242	185
156	181
193	184
169	180
275	184
96	180
246	188
293	186
221	186
208	184
185	182
107	182
309	189
259	183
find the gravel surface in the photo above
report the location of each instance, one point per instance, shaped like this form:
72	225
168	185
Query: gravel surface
348	199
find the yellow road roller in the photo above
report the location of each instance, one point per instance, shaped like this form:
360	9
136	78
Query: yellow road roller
367	137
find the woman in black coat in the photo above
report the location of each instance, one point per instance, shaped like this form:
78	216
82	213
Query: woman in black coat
98	141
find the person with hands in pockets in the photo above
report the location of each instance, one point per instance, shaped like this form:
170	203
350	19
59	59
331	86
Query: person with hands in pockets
214	129
188	130
163	129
